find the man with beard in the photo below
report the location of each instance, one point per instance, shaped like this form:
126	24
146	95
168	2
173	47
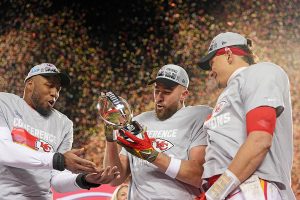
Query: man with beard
166	161
35	142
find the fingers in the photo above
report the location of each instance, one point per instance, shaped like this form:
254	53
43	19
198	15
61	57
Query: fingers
85	163
76	164
131	136
105	176
77	152
146	136
124	142
114	171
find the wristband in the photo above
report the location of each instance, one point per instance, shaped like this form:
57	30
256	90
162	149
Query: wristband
82	183
223	186
58	162
173	168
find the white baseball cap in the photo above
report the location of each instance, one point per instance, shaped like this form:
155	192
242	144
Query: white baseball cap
171	73
48	69
220	41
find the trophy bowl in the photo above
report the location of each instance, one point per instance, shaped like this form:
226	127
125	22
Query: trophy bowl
114	110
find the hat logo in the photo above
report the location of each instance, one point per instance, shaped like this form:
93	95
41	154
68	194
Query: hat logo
161	73
213	45
170	75
224	42
34	70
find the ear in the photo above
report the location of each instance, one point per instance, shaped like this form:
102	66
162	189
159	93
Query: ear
29	85
184	94
229	55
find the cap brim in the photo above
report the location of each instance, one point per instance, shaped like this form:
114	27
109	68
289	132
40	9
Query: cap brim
64	78
204	62
168	83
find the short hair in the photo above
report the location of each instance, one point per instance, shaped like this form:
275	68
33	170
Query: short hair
250	58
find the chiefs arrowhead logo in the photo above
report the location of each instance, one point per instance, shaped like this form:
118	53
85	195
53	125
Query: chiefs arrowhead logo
41	145
161	145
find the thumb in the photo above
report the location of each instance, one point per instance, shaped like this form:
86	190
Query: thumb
78	152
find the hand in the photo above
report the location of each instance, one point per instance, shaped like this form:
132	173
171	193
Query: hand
104	176
110	133
112	115
141	148
76	164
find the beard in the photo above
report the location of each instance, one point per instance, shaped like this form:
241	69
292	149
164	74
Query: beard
35	98
166	113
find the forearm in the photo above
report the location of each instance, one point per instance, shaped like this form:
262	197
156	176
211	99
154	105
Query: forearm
190	171
15	155
66	181
112	158
250	155
63	181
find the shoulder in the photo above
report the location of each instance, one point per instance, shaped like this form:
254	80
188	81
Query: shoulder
9	97
197	110
264	68
196	113
62	117
145	116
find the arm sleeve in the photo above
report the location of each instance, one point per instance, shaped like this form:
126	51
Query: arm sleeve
199	135
16	155
64	181
265	86
67	142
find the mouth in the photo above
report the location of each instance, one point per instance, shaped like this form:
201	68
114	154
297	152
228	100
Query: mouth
159	107
51	103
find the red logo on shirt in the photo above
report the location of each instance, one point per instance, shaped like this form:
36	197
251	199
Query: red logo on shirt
162	145
21	136
219	107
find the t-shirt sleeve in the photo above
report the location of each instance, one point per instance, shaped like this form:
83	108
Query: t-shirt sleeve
5	132
199	136
264	87
67	142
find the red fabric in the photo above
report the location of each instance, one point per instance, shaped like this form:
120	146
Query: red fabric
21	136
234	50
261	119
201	197
266	189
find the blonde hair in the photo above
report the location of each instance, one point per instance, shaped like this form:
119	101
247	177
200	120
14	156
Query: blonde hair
115	193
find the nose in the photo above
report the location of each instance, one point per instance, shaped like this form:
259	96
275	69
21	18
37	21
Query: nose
159	97
54	92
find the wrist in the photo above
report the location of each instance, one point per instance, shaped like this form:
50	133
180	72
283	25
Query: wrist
152	157
83	183
173	168
58	161
111	135
223	186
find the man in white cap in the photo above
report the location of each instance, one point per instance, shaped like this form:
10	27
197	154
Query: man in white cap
250	147
166	161
35	142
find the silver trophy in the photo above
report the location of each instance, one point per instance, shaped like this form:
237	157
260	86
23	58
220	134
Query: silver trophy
116	112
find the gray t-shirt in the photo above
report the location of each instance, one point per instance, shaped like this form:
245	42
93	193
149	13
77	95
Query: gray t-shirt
262	84
29	128
175	137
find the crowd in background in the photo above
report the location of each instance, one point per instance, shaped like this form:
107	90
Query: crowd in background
120	46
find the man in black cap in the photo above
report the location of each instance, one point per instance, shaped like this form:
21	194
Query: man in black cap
166	161
35	142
